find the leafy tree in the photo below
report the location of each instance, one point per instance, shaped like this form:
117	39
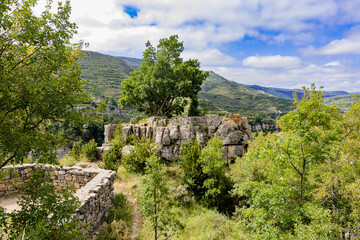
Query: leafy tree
193	176
164	82
40	78
46	212
216	184
136	160
204	172
300	184
155	200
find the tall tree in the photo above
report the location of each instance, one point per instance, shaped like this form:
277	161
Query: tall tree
164	82
39	77
303	183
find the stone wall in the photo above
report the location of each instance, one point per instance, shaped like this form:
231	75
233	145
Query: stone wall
171	133
94	187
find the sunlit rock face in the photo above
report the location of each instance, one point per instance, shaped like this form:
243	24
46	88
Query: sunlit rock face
170	133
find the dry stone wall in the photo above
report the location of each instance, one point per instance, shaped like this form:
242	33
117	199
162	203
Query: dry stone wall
234	131
94	188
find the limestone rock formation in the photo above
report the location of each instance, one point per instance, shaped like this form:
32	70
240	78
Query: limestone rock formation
234	131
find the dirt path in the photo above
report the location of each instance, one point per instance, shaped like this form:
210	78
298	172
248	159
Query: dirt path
9	203
128	188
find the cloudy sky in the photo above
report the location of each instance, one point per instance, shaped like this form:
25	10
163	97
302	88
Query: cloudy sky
278	43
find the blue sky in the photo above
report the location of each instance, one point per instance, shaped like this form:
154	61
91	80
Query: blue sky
278	43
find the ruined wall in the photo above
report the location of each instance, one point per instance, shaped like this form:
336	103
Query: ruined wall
94	187
234	131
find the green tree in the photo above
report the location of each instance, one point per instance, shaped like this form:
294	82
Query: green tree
164	82
155	200
39	78
301	184
204	172
46	212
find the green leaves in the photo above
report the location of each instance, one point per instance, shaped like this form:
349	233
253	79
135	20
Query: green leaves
164	81
39	78
299	184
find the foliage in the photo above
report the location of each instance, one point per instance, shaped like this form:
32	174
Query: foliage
46	212
300	184
202	223
39	75
193	176
119	218
164	81
90	150
68	161
155	200
221	96
204	172
112	157
216	184
136	160
76	150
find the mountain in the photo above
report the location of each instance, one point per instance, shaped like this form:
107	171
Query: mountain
288	93
223	97
104	73
343	101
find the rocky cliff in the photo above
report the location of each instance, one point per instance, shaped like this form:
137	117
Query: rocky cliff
234	131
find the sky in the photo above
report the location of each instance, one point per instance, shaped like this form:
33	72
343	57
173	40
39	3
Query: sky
273	43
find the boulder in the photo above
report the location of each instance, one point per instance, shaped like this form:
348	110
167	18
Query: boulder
126	149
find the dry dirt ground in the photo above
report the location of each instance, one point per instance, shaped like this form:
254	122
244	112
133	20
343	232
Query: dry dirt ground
128	187
9	202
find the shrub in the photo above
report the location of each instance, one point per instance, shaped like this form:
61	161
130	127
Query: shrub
89	150
204	171
76	150
46	212
112	157
136	160
119	220
111	160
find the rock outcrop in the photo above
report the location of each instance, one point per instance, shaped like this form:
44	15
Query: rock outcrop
234	131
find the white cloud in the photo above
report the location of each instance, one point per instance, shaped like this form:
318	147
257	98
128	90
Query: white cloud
331	79
348	45
277	61
210	57
332	64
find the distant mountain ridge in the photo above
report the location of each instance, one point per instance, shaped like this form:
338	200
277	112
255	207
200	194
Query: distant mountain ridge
288	93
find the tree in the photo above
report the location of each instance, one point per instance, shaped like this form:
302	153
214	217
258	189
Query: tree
204	172
39	78
155	199
164	82
301	184
46	212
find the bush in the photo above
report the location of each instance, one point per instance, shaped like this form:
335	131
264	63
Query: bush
46	212
204	171
112	157
119	220
76	150
136	160
111	160
89	150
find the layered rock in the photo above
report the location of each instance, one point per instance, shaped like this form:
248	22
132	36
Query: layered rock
234	131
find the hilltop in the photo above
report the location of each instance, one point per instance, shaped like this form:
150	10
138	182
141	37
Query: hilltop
104	74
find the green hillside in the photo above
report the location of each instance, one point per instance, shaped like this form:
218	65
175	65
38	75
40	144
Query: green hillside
226	96
104	74
343	101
